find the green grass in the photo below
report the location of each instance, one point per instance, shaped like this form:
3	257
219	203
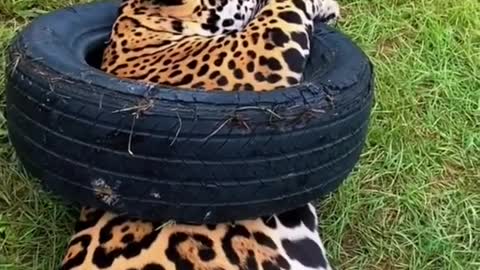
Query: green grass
414	200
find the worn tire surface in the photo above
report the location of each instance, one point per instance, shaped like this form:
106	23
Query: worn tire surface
168	153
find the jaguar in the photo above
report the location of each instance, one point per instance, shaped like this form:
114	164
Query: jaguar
286	241
230	45
227	45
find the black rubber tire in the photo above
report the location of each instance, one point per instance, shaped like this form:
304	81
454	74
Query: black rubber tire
200	157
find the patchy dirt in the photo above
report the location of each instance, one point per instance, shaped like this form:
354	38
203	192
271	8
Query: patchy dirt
104	192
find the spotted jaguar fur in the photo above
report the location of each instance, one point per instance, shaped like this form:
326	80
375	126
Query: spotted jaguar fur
218	44
250	45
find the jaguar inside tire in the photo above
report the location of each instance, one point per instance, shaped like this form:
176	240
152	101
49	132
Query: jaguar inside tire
168	153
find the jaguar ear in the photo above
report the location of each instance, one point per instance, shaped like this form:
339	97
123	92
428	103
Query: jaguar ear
168	2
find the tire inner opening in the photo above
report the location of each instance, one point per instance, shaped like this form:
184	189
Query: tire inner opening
94	56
